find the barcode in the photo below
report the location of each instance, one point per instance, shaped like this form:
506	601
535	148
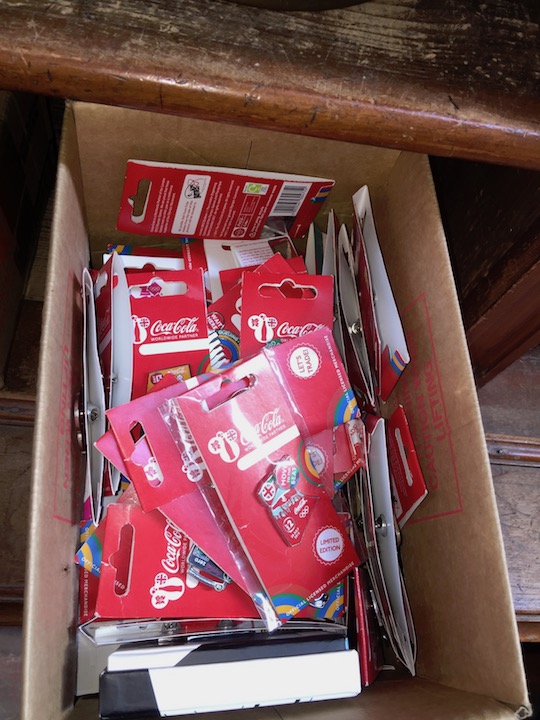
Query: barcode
290	199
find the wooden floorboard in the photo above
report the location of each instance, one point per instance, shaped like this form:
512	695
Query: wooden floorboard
15	473
510	405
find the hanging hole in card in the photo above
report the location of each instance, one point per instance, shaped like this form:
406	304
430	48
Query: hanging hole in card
403	454
144	457
227	392
157	287
120	560
288	290
139	201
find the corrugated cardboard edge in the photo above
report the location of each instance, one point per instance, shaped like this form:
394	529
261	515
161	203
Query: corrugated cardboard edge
473	603
55	502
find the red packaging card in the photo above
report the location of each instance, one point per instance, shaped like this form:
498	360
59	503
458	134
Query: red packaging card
311	372
231	276
369	642
151	569
224	315
253	450
408	484
278	308
88	589
338	453
350	451
222	203
169	325
321	453
108	447
195	259
162	478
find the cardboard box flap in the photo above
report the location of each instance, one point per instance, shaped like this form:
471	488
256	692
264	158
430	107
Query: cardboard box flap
413	699
57	471
464	617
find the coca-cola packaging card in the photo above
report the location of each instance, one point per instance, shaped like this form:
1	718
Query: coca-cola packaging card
408	484
349	450
227	255
195	258
337	454
224	315
368	629
386	338
168	312
321	453
279	308
161	198
151	569
231	276
291	533
108	447
165	479
313	377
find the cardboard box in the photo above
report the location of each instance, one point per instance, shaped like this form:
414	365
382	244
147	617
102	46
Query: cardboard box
469	659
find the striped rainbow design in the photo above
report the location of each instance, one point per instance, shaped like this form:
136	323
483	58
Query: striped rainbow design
306	466
222	354
120	249
288	604
230	344
321	196
205	366
335	605
346	408
86	529
396	362
90	554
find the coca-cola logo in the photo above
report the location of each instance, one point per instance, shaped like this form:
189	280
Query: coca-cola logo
173	539
165	590
181	326
270	423
286	330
